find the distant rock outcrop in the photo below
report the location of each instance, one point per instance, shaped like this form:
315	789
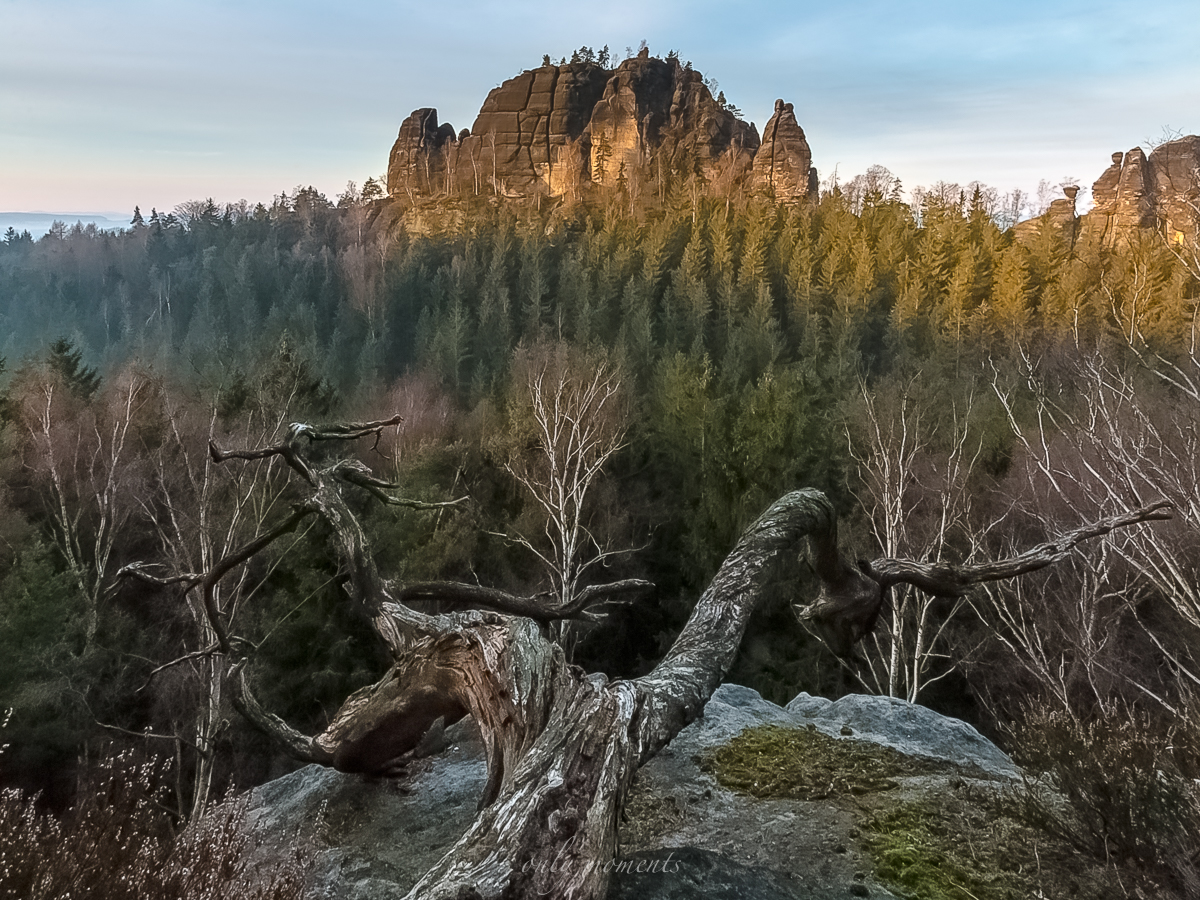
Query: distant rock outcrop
1123	199
1135	194
783	164
557	130
653	106
1162	191
1061	216
528	127
417	157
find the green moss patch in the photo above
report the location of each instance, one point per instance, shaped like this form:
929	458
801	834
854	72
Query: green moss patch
956	842
925	852
964	845
804	764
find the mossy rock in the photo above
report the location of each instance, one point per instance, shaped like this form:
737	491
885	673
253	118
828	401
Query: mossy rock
953	840
804	764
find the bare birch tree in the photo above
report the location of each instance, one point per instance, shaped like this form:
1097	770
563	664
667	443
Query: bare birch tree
1130	433
571	421
918	502
200	512
82	454
1066	632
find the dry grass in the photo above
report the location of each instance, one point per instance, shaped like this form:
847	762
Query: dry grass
1120	788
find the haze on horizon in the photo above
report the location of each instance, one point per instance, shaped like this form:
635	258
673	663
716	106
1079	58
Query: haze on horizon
104	106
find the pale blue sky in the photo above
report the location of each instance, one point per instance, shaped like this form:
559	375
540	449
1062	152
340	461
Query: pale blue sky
108	104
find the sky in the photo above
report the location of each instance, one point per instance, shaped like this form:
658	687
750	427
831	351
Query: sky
104	105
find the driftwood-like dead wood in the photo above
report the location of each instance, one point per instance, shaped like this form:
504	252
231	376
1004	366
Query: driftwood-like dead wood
844	617
562	746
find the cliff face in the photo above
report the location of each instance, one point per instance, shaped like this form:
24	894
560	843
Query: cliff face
556	130
525	139
1135	192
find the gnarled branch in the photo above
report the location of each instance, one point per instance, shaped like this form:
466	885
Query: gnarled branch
295	744
843	614
356	473
540	607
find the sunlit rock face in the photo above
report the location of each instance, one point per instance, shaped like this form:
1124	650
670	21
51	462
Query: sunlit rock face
1135	195
1161	191
658	112
783	164
525	140
561	130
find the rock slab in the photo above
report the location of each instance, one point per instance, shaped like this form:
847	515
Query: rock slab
373	839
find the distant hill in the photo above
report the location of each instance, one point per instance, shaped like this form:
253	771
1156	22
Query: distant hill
38	223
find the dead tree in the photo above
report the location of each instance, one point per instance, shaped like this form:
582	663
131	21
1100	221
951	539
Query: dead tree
562	746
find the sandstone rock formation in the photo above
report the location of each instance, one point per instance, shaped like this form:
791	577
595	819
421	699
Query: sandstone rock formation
1061	216
418	160
783	164
1134	195
1136	192
1122	198
560	130
528	128
658	112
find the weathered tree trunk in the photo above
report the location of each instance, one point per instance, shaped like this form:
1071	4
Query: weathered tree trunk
562	746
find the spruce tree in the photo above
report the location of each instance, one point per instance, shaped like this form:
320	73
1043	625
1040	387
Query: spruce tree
67	362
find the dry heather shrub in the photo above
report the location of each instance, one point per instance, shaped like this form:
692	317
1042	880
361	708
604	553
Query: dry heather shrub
116	842
1123	789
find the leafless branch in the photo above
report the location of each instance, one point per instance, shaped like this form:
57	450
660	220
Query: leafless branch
540	607
298	746
138	570
235	558
852	597
288	448
356	473
949	580
187	657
